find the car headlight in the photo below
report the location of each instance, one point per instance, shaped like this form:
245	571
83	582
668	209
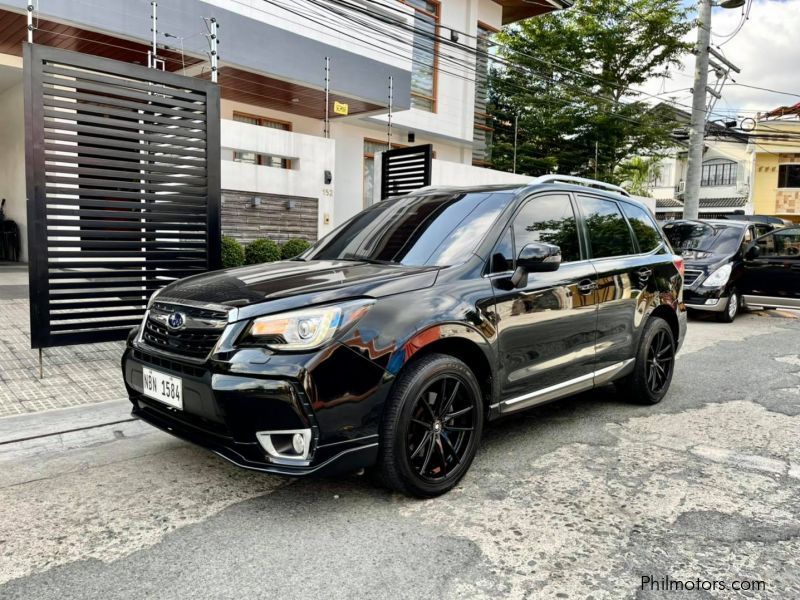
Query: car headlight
718	278
307	328
153	297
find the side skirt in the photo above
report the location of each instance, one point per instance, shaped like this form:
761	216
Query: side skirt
772	301
561	390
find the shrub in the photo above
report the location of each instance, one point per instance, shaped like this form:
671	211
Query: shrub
294	247
261	251
232	253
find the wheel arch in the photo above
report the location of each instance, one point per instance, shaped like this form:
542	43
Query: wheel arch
462	343
667	313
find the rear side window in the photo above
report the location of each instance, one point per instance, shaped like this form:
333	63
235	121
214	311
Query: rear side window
549	219
609	234
644	229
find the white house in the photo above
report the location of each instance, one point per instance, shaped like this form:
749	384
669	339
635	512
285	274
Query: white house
282	63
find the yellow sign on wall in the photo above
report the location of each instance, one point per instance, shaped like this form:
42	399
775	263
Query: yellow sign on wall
341	108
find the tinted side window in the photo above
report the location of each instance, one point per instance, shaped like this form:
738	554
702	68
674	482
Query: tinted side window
608	232
503	254
785	242
548	219
643	227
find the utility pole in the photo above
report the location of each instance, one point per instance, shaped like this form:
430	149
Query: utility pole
700	109
697	125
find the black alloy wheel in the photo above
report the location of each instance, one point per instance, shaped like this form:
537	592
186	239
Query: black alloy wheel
654	365
442	426
431	427
660	361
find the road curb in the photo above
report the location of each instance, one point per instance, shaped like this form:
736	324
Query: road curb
20	428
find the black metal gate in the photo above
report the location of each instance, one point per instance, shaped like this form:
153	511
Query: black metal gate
404	170
123	185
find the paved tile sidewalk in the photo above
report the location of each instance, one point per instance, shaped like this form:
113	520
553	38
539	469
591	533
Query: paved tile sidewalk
73	375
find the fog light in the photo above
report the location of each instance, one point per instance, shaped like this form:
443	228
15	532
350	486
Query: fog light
712	301
289	446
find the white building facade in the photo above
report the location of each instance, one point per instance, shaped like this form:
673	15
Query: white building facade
287	171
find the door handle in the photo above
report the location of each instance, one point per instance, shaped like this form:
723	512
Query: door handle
644	273
586	286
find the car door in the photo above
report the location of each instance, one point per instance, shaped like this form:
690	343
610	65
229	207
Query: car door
625	279
546	328
773	277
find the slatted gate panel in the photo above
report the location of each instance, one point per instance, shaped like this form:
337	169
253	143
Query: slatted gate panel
404	170
123	190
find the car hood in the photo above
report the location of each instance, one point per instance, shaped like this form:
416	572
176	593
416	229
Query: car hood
309	282
708	264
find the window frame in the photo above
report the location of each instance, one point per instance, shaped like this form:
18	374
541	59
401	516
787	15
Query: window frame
261	120
716	163
780	165
509	225
437	16
588	239
637	247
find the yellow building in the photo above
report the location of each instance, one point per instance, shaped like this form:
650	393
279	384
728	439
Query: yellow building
775	151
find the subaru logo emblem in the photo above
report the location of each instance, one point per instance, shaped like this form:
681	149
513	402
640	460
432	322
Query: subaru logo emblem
176	320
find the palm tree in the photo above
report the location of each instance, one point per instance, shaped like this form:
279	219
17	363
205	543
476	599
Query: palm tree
637	173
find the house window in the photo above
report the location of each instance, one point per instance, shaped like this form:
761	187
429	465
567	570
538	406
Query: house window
265	160
482	130
262	121
424	54
789	176
372	147
718	172
661	176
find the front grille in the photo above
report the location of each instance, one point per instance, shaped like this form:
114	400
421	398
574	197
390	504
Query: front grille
194	341
171	365
690	276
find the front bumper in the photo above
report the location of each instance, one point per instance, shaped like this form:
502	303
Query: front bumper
223	410
706	299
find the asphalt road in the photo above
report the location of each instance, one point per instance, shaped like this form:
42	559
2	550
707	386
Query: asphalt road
578	499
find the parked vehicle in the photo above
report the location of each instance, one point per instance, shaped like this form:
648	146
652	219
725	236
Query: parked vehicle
395	338
714	253
762	223
772	270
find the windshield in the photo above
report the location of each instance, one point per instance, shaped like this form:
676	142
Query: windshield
716	239
440	230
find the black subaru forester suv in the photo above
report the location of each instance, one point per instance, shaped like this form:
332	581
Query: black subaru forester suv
395	338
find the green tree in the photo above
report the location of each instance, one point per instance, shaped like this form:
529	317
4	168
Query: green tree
568	76
635	174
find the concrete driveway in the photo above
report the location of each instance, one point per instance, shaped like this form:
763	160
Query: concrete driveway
579	499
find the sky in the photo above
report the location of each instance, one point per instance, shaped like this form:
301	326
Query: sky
766	50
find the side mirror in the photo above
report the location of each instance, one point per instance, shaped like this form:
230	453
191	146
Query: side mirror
536	257
753	252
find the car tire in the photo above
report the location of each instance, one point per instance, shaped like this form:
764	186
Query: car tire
426	446
731	309
657	340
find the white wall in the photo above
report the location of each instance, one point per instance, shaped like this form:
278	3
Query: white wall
12	160
311	156
451	173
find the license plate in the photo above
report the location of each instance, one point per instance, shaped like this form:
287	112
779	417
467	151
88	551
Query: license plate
162	387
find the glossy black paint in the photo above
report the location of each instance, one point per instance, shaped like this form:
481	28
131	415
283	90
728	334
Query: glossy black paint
559	325
695	294
770	279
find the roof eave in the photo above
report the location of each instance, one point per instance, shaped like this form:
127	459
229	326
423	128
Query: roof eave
519	10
